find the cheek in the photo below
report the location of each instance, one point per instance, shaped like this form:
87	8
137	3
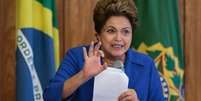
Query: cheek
105	42
128	40
106	39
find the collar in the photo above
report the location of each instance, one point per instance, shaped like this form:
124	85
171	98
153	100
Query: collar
135	57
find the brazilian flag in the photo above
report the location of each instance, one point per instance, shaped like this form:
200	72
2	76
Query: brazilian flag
37	52
158	35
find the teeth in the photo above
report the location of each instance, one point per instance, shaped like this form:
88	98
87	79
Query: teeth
117	46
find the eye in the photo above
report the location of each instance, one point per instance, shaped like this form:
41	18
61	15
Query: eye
110	31
126	32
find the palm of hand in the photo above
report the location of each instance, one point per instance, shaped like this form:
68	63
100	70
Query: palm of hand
93	65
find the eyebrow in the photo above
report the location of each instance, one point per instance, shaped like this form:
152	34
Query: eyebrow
127	28
115	28
110	26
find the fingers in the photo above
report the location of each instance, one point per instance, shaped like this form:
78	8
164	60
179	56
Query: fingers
85	53
101	53
124	95
128	98
97	46
133	91
91	49
129	95
94	50
105	65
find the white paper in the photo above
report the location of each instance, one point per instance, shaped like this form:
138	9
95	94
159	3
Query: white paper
109	84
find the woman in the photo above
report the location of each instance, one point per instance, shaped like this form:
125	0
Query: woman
114	22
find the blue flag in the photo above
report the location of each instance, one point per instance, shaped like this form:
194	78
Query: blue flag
37	52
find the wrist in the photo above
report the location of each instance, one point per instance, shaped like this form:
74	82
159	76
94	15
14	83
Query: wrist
83	76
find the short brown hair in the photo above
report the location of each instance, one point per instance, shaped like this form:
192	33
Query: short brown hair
106	8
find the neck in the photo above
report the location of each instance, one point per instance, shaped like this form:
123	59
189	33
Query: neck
111	59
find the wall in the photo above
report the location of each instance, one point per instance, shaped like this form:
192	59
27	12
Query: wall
76	24
7	50
192	29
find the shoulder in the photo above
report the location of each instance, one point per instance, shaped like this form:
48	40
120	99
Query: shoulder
76	51
73	58
138	57
75	54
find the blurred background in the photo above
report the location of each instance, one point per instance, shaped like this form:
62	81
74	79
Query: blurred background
176	22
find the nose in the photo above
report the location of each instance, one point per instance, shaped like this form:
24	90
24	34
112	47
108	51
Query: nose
118	36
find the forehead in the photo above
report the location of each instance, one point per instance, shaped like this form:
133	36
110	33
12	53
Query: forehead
117	22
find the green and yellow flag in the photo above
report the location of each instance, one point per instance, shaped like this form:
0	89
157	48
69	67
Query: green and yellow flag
158	35
37	52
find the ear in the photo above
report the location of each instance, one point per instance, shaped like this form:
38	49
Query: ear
97	37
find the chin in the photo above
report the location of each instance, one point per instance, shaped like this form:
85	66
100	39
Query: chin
118	54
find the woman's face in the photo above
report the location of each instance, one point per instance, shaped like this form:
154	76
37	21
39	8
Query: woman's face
116	36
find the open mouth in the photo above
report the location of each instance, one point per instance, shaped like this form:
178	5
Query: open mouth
117	46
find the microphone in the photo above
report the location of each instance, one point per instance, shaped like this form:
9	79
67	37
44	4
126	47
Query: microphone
118	64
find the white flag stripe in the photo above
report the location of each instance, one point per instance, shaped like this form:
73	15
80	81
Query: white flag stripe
27	53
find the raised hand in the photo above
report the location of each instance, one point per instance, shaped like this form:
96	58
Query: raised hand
92	65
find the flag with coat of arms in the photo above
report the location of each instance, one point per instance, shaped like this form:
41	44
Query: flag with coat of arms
158	35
